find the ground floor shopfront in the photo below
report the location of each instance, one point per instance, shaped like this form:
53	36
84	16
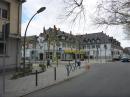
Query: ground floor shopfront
65	55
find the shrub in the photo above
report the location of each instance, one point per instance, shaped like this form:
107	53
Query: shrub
21	73
43	67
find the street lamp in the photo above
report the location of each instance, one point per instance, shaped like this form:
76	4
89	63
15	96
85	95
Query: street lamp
88	43
39	11
105	47
97	47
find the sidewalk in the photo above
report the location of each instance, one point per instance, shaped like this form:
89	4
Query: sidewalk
25	85
101	61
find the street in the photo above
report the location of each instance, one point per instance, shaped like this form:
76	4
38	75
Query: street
103	80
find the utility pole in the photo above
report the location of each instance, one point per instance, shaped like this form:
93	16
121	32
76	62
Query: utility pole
35	48
100	55
89	54
4	52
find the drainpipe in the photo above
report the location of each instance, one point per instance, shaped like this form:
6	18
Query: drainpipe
18	44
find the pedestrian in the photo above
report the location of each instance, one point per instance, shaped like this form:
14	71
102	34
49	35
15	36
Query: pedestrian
75	64
78	63
48	62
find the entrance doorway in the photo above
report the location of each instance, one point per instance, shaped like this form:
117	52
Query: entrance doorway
41	56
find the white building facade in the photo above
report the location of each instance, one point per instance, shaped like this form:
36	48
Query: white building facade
101	46
65	46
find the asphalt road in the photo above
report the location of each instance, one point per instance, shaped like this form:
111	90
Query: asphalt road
106	80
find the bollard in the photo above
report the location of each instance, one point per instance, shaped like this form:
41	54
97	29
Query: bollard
70	66
73	65
36	78
55	73
68	69
68	72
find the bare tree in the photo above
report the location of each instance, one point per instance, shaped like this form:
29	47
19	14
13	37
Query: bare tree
74	11
114	12
108	12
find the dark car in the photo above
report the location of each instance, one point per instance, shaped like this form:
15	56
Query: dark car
125	59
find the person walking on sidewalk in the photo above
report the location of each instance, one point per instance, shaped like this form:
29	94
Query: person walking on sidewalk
48	62
78	63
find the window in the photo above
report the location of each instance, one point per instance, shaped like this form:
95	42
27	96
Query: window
98	41
88	53
1	35
97	46
63	37
93	46
93	41
84	47
88	46
93	52
0	12
73	46
2	48
4	13
105	46
64	44
118	52
59	37
97	52
6	29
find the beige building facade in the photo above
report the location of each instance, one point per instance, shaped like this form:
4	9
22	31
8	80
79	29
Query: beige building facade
10	27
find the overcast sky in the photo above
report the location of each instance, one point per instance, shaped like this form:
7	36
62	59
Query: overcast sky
51	16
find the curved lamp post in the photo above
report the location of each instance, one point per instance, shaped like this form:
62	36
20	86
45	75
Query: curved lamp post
39	11
97	47
89	50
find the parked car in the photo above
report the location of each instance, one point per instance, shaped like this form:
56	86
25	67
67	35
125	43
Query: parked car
125	59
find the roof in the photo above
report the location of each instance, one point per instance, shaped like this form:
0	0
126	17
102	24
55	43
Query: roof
102	37
127	48
22	1
29	39
82	39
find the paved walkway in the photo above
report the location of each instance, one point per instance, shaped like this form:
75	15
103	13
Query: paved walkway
25	85
104	80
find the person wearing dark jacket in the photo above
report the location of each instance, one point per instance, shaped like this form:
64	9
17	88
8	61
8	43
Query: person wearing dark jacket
78	63
48	62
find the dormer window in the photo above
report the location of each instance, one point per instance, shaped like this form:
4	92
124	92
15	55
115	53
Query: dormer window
93	41
88	41
98	40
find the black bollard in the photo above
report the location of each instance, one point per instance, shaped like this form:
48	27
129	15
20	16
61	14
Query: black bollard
68	71
54	73
36	78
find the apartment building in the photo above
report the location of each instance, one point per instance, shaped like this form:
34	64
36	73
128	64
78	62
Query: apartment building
54	43
101	46
10	27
